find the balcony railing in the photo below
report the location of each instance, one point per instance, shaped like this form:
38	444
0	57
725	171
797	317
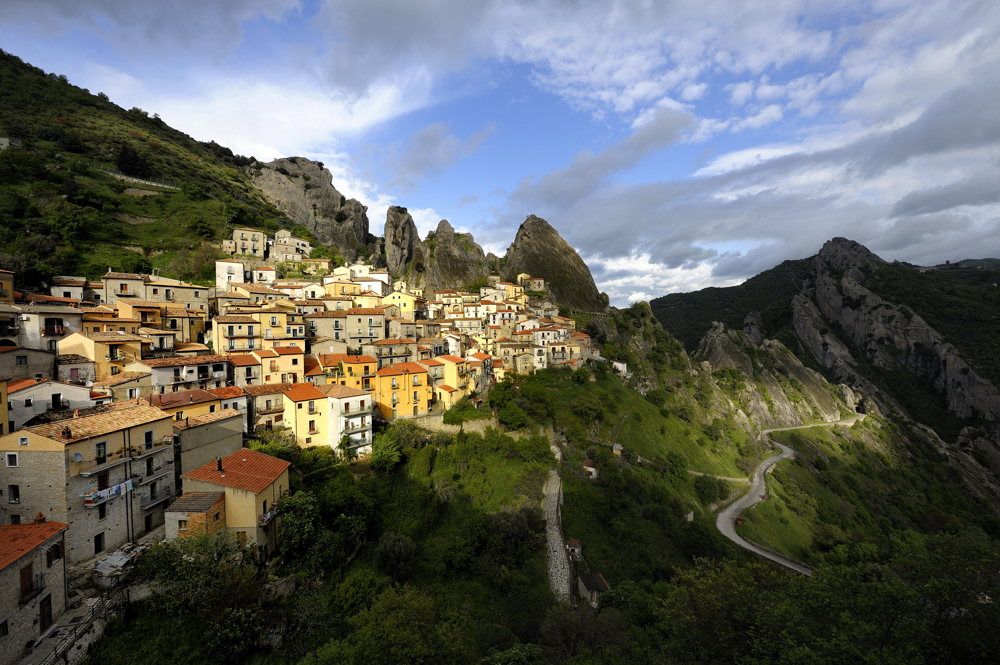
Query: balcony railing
34	588
53	330
114	358
152	498
8	330
266	518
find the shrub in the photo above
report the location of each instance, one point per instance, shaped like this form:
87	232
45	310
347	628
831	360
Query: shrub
394	555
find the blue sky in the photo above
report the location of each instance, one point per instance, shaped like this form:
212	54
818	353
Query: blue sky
676	145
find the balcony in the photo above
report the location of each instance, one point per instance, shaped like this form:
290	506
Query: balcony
53	330
152	498
117	358
8	330
266	518
34	588
354	427
180	379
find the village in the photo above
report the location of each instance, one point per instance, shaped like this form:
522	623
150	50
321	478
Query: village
126	401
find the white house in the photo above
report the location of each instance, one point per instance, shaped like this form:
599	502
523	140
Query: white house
28	398
229	271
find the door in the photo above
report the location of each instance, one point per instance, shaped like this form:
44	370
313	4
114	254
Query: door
45	612
148	523
74	375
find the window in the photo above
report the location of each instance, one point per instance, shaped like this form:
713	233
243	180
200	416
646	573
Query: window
394	384
295	361
14	493
179	416
149	466
101	451
22	440
98	544
4	630
21	361
156	292
102	480
11	459
415	396
274	320
196	294
133	393
102	511
216	517
182	525
15	519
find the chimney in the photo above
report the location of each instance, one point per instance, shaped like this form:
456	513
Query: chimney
218	462
39	519
191	398
76	414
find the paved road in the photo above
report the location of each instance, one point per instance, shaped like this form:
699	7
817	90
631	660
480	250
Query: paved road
726	522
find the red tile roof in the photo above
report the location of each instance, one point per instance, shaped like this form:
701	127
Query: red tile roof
182	361
120	416
207	418
402	368
17	540
302	392
268	389
287	350
312	368
182	398
243	361
229	392
244	469
340	392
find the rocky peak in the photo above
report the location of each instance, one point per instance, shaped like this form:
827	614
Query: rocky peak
842	254
401	240
303	190
540	251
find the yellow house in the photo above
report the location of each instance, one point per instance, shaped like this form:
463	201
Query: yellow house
253	483
186	403
4	413
456	374
368	299
515	292
110	351
351	371
342	288
409	305
306	413
282	364
402	390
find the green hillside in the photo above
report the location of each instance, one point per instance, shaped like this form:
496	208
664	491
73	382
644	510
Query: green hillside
61	212
688	316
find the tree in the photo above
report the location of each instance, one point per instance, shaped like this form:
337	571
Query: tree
588	406
131	162
512	416
299	523
385	451
394	554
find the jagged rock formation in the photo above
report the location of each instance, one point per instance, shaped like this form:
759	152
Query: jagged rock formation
890	336
444	260
780	390
540	251
303	190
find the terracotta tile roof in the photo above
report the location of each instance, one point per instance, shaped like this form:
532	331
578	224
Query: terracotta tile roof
111	337
257	288
17	540
447	389
402	368
141	304
112	418
267	389
432	363
189	346
390	341
244	469
328	314
123	275
243	361
68	280
155	332
195	502
265	353
229	392
302	392
288	350
21	384
206	418
452	359
366	310
72	358
119	379
341	392
311	367
180	362
356	360
182	398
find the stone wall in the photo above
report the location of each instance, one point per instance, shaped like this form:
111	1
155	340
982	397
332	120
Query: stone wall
435	423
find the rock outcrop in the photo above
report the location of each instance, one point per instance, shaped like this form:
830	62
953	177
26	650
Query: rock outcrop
540	251
779	391
444	260
303	190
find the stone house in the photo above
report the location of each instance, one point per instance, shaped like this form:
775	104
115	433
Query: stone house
253	484
245	370
31	397
203	439
229	271
265	406
19	363
107	475
590	586
249	242
235	398
329	324
183	373
74	368
42	326
33	587
391	351
196	514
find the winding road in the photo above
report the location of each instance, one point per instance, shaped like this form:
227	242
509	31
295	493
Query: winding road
726	522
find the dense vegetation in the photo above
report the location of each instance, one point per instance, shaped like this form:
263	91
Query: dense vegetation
689	315
63	212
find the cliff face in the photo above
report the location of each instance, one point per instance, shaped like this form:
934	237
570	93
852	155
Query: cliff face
540	251
303	190
890	336
779	391
444	260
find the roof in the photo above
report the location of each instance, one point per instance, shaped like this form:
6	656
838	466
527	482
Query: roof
181	347
123	275
265	353
591	463
594	581
257	288
267	389
195	502
206	418
390	341
69	280
287	350
312	367
72	358
341	392
181	361
447	388
452	359
430	362
182	398
243	361
21	384
109	419
328	314
111	337
244	469
302	392
366	310
234	318
229	392
402	368
17	540
156	332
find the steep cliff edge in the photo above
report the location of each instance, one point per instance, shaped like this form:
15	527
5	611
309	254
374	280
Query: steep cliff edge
444	260
304	191
540	251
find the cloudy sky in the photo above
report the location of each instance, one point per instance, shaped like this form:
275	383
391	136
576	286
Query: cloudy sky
676	145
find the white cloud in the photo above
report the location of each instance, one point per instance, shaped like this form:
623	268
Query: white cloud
739	93
766	116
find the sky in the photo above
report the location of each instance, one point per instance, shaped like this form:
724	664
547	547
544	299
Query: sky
675	145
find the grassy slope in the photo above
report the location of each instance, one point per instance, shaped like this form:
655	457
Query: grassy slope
57	213
856	485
